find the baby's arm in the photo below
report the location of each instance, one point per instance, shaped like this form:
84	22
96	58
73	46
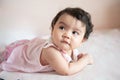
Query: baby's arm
61	66
82	55
83	61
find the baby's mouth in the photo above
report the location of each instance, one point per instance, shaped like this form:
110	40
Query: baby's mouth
65	42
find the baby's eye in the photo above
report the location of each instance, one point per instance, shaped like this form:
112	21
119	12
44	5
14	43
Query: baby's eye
75	33
61	27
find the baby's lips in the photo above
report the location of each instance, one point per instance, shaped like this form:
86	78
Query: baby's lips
66	42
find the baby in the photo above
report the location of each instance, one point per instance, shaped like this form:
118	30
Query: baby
70	27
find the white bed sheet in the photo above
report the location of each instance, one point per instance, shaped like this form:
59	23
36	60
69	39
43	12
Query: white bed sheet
103	45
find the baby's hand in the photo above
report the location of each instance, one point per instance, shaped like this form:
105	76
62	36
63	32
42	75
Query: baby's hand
88	57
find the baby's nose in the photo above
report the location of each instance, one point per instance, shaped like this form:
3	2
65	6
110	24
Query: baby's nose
66	35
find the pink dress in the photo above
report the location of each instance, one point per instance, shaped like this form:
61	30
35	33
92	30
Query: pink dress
24	56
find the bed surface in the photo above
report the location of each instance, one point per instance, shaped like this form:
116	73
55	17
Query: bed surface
103	45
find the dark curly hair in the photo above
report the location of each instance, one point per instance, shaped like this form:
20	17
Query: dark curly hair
79	14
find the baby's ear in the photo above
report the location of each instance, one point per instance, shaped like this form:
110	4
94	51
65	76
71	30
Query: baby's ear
84	39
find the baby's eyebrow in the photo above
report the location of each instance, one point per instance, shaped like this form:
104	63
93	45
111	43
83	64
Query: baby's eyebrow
61	22
77	29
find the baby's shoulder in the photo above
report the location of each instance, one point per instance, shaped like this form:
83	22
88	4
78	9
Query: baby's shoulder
50	49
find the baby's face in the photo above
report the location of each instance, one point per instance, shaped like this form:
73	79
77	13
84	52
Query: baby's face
68	33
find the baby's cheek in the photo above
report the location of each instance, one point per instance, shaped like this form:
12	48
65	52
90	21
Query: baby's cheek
77	44
74	46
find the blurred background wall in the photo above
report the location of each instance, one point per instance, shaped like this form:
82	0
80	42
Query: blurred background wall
25	19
